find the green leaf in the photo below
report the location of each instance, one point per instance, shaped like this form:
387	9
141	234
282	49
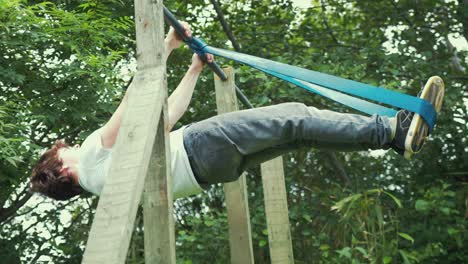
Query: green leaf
422	206
452	231
307	218
407	237
396	200
324	247
345	252
445	210
362	251
404	256
209	222
339	206
387	259
378	212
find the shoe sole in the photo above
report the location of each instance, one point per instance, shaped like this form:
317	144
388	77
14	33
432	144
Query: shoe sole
433	92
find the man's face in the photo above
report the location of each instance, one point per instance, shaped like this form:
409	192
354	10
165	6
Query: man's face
70	155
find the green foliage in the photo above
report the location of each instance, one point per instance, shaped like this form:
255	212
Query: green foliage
373	226
8	144
210	227
60	77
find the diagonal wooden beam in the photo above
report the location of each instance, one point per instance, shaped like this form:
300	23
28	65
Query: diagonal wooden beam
134	155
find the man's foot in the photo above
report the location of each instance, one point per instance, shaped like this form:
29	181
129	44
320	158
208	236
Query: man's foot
411	130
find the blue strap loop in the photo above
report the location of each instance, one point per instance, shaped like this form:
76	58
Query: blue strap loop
197	45
342	90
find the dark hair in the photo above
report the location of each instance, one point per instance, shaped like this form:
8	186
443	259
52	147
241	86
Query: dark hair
46	178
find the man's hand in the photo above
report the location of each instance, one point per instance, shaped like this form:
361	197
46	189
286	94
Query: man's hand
197	62
173	40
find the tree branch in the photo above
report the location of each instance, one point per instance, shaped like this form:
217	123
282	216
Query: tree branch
6	213
327	26
395	6
338	167
226	27
455	60
462	8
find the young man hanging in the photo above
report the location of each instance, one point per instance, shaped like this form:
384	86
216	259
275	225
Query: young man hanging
220	148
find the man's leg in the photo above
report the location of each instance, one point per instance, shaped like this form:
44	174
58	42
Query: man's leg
221	147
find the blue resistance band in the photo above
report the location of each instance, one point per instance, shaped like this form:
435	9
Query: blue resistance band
320	83
353	102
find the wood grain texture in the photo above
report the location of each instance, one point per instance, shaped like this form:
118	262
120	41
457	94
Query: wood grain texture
149	22
276	210
137	154
113	222
157	202
240	239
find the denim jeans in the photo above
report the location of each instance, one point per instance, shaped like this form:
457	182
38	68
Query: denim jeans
222	147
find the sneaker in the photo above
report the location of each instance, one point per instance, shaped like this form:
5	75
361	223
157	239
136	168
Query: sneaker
411	130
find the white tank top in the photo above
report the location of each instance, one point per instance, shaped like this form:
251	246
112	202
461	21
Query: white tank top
95	161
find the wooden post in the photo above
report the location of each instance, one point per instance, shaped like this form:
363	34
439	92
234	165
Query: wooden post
276	210
157	202
240	239
135	156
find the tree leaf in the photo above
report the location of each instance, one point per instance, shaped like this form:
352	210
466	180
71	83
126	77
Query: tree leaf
422	206
407	237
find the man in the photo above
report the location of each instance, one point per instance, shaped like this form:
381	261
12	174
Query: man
220	148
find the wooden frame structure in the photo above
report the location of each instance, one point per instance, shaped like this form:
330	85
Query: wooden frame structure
141	164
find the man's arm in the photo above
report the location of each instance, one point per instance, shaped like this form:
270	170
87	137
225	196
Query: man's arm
111	128
179	100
